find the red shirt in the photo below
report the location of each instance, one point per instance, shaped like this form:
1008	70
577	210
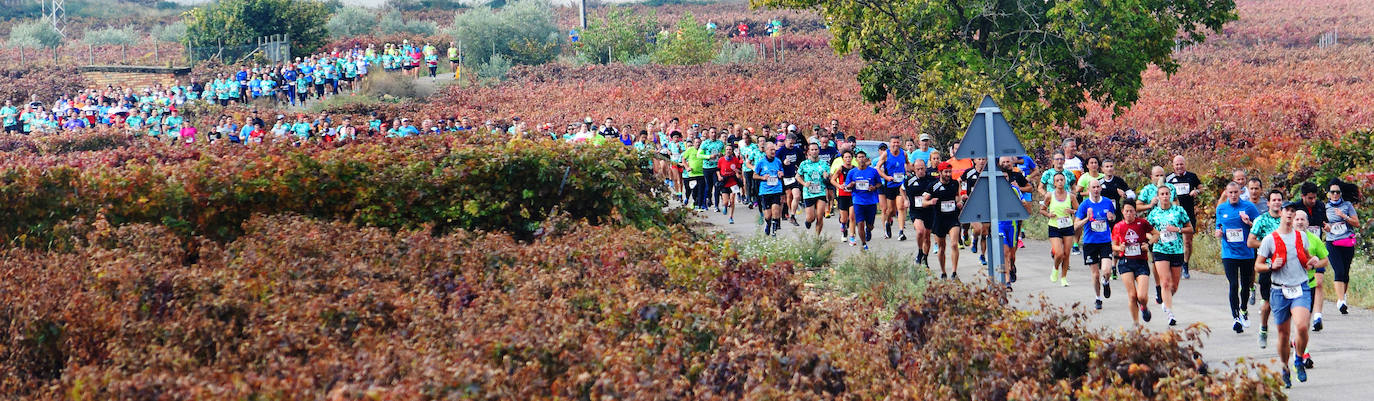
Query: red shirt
1133	236
729	167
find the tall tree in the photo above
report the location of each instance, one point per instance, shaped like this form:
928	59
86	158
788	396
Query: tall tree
1041	59
241	22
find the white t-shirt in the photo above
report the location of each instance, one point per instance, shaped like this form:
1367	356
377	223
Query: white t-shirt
1074	164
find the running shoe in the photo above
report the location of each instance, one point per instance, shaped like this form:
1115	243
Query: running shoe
1245	319
1106	289
984	259
1013	275
1075	250
887	231
851	241
732	220
944	276
808	225
1317	323
1159	295
1054	275
1097	304
901	235
974	248
1301	367
1344	309
1064	281
954	276
1172	320
1185	271
1287	381
865	247
1307	360
794	221
1237	327
1145	314
1264	338
1253	291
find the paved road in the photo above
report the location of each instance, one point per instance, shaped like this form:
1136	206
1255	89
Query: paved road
1343	352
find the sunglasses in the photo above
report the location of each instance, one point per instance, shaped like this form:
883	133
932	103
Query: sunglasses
1333	192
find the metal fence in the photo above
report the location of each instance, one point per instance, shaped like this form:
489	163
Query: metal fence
275	48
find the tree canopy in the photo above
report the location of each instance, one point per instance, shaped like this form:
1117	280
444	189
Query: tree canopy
1041	59
241	22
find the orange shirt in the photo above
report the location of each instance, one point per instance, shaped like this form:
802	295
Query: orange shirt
959	166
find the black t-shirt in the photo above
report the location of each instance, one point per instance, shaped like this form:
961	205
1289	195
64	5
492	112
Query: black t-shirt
969	179
828	154
1184	184
792	154
916	187
941	192
1110	187
1017	179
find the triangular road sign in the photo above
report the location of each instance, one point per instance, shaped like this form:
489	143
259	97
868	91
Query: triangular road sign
974	144
1009	206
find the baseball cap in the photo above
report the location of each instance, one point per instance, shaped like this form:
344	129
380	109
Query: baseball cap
1293	206
944	166
925	137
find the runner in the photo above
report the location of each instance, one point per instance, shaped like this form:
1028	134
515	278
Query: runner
768	172
1341	223
1056	170
1187	187
1114	187
791	154
1146	200
1058	208
839	171
1316	248
1071	160
1011	230
1171	223
893	171
1291	298
1094	218
944	197
811	174
918	185
693	174
1233	216
727	174
712	146
978	231
1130	242
863	182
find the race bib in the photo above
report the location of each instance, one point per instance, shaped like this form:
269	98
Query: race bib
1338	228
813	187
1099	226
1168	236
789	181
791	159
899	177
1063	222
861	185
1235	235
1291	292
947	206
1183	188
692	184
825	158
1314	230
772	180
918	202
1133	250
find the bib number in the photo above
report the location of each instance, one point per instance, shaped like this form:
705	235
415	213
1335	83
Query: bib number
861	185
947	206
1314	230
791	159
899	177
789	181
1132	250
825	158
918	202
1099	226
1183	188
1168	236
813	187
1063	222
1338	228
1235	235
772	180
1292	292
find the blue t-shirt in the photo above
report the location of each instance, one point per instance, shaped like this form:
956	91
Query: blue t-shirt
894	165
866	177
769	168
1234	231
918	154
1099	230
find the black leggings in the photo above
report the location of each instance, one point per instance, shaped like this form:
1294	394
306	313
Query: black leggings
711	193
1341	256
699	191
1240	274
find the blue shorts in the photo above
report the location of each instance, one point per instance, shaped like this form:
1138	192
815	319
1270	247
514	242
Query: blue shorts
865	213
1008	230
1280	305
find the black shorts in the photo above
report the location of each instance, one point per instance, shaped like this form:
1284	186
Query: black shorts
409	67
944	223
891	193
1056	232
1266	282
769	200
1094	253
1174	259
794	185
12	128
844	202
809	202
1133	266
348	79
925	215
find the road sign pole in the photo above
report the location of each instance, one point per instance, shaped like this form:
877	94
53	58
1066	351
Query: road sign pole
992	173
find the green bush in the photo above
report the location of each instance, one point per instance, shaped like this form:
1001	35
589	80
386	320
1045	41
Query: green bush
351	21
394	23
736	53
807	250
524	31
34	34
496	68
619	36
242	22
390	85
890	277
690	43
173	32
111	36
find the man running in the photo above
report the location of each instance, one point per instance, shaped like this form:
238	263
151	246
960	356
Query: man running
1011	230
1056	169
811	174
1129	241
791	155
1187	187
1094	218
978	231
1172	222
1262	227
728	169
918	183
1283	254
893	172
1233	216
839	171
768	172
864	182
944	197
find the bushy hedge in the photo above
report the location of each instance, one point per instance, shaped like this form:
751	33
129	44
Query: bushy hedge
441	182
295	309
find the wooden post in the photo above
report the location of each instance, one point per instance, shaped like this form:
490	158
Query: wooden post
155	57
124	53
90	53
609	57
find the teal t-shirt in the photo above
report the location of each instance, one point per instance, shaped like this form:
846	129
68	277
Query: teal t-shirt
711	149
1169	242
814	173
1048	179
1149	192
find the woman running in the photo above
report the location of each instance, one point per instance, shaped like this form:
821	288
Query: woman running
811	174
1341	224
1059	207
1171	222
728	167
1129	242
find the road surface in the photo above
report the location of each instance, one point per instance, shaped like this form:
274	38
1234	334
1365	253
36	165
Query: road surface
1343	351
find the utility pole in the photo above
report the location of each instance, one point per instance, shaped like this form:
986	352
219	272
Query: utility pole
582	13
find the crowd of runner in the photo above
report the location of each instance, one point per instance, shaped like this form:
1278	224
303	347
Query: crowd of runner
1275	252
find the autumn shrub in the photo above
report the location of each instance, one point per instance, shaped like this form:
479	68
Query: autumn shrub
19	83
441	182
390	85
806	250
296	309
890	277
